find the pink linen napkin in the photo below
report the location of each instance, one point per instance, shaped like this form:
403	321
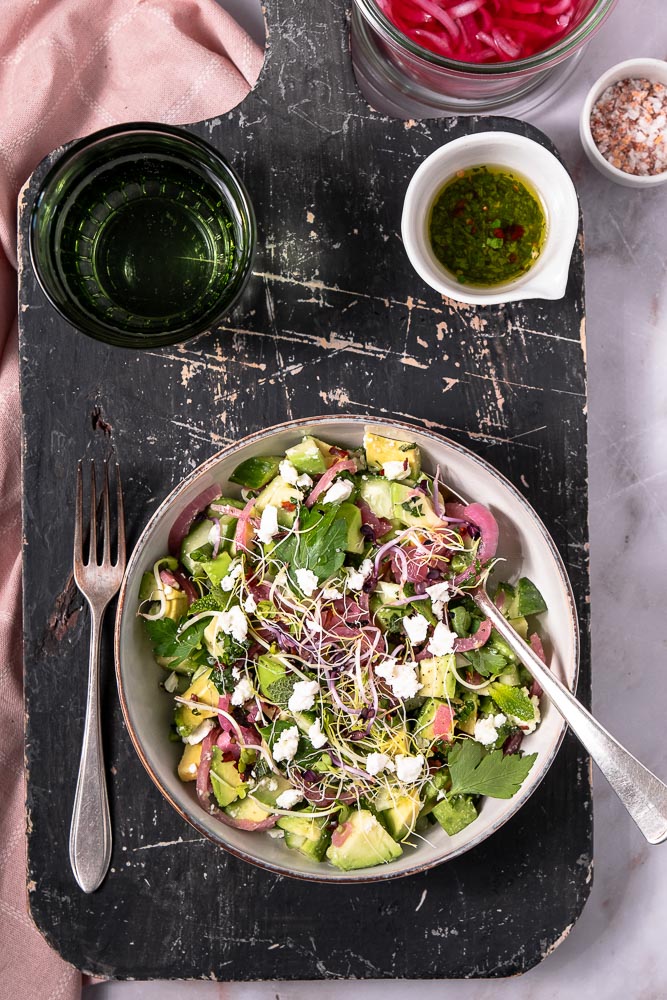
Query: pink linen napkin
67	68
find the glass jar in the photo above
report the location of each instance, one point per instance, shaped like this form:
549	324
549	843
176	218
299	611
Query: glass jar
401	78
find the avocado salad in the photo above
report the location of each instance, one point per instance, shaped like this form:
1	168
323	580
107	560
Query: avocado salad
334	683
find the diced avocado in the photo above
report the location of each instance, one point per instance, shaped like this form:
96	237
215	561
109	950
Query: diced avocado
205	693
256	472
189	762
308	457
507	590
177	603
380	450
216	569
247	809
268	789
361	842
437	677
147	586
455	813
512	701
279	493
520	626
413	509
306	833
425	725
376	492
355	541
510	677
274	683
387	593
400	818
227	783
527	600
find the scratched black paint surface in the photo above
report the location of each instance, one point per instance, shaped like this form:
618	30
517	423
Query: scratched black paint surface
334	320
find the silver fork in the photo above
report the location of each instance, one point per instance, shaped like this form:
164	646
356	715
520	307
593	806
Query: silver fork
90	832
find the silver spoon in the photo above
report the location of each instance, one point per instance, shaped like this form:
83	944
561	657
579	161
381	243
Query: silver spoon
642	794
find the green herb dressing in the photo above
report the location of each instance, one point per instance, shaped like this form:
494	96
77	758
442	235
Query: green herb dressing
487	227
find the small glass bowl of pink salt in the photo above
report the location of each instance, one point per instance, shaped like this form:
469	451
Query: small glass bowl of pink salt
623	124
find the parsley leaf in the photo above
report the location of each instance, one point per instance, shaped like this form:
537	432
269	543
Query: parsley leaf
475	773
168	642
320	545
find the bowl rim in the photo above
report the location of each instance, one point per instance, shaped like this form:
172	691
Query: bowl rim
382	873
519	288
96	328
619	71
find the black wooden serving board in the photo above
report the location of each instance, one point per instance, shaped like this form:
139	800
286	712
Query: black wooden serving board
333	320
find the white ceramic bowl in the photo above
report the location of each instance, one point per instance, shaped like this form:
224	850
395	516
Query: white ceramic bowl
547	278
524	543
648	69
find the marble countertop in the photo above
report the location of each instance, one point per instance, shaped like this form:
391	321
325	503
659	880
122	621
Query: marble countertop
616	950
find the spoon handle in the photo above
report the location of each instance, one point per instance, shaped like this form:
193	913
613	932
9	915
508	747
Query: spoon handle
642	794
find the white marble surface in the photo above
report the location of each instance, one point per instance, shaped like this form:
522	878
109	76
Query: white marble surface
616	951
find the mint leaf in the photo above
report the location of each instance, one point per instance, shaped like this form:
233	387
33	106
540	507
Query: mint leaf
320	544
475	773
512	701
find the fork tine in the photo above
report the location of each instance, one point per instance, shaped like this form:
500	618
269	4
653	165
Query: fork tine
106	555
78	516
92	546
120	561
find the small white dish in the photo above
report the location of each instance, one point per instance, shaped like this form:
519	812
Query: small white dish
547	278
647	69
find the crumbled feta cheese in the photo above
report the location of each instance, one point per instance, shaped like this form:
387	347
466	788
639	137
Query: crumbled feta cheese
332	594
338	491
315	734
409	768
303	696
242	692
237	673
276	834
272	785
171	682
440	595
312	626
376	763
416	627
402	678
250	604
289	798
198	734
356	578
288	472
281	578
286	745
234	623
485	731
268	525
307	581
442	640
304	482
396	470
233	573
499	720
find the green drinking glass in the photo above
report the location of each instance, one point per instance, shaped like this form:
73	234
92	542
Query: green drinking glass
142	235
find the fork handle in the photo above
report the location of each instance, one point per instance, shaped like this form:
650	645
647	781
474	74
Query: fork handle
641	792
90	832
